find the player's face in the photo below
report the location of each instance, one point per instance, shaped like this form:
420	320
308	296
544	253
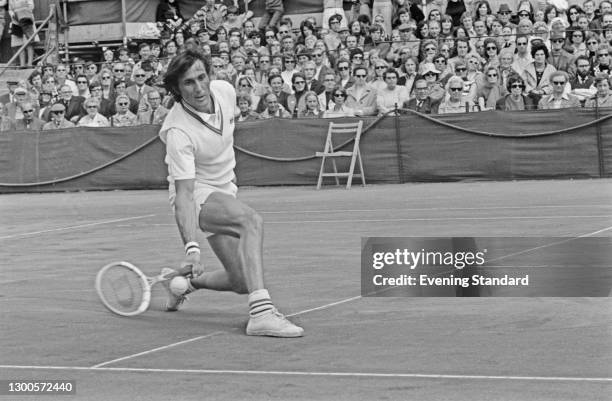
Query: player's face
194	86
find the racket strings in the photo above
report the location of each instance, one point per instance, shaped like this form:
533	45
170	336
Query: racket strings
122	288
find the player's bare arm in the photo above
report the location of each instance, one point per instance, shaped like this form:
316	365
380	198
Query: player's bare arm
187	221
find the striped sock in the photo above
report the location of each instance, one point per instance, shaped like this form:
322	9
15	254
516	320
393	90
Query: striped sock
259	303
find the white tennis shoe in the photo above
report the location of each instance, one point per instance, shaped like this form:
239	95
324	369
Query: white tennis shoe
273	324
174	301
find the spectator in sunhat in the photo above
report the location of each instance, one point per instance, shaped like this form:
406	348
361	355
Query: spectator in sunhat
503	14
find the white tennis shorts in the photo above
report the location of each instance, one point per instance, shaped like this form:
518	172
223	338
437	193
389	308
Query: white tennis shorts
201	192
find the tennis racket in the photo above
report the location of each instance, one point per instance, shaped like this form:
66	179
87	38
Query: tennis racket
125	290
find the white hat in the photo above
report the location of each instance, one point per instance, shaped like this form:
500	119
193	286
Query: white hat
428	67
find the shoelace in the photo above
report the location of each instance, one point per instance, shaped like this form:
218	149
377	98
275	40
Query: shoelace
280	315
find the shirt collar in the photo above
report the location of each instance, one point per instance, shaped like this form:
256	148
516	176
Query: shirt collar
564	96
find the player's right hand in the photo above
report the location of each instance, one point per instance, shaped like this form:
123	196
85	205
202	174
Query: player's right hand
193	259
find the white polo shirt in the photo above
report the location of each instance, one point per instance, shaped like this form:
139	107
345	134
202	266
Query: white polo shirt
202	148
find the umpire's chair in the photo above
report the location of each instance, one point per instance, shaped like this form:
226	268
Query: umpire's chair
355	154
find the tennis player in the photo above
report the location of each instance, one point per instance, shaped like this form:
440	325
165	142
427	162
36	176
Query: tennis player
199	137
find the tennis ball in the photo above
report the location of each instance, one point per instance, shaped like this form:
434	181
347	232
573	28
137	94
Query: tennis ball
179	285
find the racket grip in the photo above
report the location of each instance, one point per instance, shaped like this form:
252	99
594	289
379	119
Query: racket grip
185	271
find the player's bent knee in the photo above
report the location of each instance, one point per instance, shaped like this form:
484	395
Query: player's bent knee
250	220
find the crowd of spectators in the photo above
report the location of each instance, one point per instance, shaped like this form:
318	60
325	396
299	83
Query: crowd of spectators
374	58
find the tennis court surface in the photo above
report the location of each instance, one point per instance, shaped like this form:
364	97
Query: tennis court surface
355	348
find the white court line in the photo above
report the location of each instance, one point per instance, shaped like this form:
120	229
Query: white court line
95	223
320	374
435	209
440	219
552	244
157	349
595	232
408	219
219	332
325	306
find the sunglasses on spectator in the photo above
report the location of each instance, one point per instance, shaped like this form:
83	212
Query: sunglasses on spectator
289	61
123	104
430	74
440	61
119	70
360	75
523	14
429	49
342	68
559	82
517	86
300	82
505	13
492	75
28	111
460	69
558	40
58	112
106	77
283	32
139	75
81	82
455	89
317	55
491	47
218	66
338	94
521	43
603	54
91	106
591	43
245	85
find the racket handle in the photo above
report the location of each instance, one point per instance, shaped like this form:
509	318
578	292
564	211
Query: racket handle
185	271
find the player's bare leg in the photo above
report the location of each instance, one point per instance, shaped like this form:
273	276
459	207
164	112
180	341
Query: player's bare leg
230	279
238	242
225	215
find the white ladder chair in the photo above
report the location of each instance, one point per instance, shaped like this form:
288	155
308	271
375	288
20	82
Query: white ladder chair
329	152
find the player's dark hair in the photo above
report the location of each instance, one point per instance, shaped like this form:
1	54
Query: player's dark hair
179	66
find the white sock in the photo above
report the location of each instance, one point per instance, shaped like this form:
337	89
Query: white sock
259	302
